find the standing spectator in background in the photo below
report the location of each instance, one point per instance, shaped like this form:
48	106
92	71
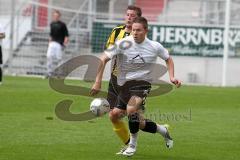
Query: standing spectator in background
57	41
2	35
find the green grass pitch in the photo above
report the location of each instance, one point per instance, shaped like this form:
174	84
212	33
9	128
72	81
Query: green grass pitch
205	124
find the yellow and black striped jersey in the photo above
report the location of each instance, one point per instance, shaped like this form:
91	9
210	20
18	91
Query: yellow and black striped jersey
116	34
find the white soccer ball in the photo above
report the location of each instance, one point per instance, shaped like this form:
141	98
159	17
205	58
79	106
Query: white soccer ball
99	106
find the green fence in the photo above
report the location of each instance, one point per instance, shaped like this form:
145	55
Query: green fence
180	40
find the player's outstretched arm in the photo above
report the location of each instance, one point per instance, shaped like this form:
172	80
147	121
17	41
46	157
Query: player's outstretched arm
98	81
170	66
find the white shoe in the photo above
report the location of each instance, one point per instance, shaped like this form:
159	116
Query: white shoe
169	143
167	138
122	150
130	151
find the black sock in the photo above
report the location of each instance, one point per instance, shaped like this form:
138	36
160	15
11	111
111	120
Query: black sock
150	126
133	122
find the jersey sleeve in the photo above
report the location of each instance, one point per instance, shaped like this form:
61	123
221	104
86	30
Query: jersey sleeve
113	50
162	52
111	39
65	30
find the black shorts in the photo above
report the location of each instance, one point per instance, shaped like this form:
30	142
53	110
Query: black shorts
1	61
132	88
113	90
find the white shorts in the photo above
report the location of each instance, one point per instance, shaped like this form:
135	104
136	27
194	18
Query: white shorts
54	50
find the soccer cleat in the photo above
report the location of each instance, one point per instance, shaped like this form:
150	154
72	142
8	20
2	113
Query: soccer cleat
131	149
122	150
167	138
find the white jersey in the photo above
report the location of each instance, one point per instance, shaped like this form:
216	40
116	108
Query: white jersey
136	61
1	31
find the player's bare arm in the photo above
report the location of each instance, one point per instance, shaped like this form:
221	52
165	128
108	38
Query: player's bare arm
170	66
97	85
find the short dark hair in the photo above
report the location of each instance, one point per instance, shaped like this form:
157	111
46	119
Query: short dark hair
136	9
142	21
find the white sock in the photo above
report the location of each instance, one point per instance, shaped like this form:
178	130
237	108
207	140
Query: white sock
133	139
161	129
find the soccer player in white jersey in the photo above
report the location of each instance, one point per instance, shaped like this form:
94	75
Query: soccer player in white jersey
138	56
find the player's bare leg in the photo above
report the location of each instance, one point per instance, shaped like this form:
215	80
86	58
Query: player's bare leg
119	126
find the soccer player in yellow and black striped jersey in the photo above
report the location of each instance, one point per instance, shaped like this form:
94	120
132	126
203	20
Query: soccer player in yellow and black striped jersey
118	112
